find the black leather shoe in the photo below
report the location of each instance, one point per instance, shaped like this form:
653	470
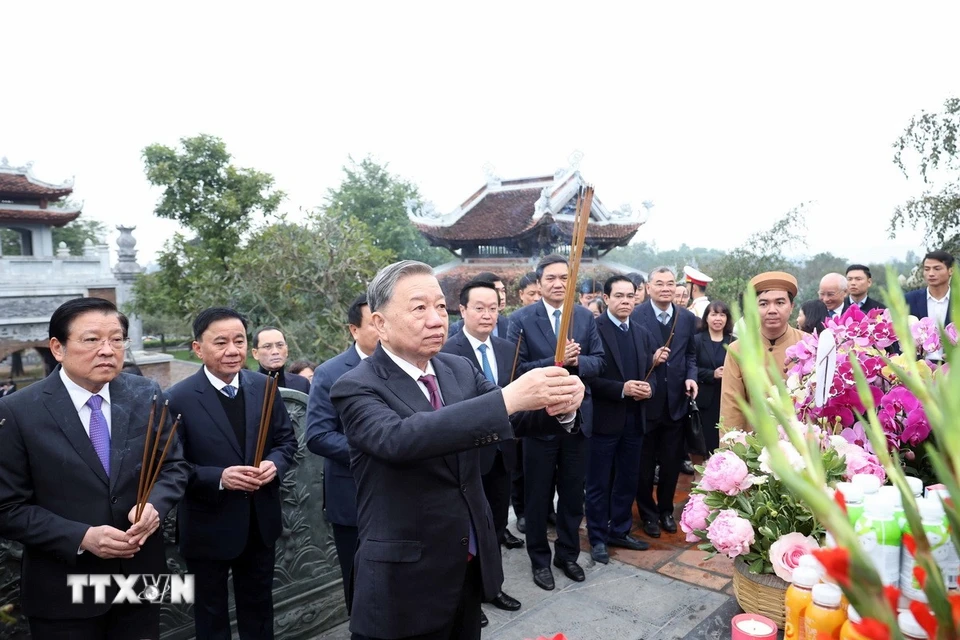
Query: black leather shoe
652	529
522	524
668	523
628	542
599	553
505	602
543	578
511	541
570	569
483	620
687	468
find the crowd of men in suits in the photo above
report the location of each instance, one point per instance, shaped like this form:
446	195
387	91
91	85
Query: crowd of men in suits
424	431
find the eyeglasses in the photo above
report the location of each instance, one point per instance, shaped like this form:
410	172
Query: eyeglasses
92	343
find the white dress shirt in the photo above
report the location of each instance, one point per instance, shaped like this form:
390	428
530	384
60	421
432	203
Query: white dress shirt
491	356
550	309
219	384
657	311
360	352
937	309
79	396
414	372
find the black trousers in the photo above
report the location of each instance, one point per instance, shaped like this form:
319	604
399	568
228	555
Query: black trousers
466	623
664	443
122	622
345	540
496	487
565	454
252	592
517	482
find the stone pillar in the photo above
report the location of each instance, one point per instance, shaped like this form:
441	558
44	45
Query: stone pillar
126	273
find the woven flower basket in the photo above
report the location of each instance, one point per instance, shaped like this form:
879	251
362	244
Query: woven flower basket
759	593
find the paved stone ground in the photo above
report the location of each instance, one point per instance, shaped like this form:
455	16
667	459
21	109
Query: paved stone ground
668	592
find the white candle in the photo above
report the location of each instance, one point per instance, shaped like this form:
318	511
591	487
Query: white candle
754	627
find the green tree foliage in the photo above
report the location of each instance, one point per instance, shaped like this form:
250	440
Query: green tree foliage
929	146
208	195
77	232
302	279
216	202
376	197
645	256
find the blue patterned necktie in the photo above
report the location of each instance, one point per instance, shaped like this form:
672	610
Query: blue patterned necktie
663	317
230	391
556	321
485	363
430	382
99	433
624	327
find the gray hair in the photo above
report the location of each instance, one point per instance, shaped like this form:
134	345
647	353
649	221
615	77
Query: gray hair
662	270
380	289
838	278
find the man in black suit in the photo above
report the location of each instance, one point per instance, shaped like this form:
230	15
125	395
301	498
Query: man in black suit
230	517
493	357
415	420
564	454
502	324
934	300
271	351
324	436
619	397
71	450
675	378
859	280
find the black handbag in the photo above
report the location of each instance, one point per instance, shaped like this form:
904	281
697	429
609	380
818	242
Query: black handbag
693	430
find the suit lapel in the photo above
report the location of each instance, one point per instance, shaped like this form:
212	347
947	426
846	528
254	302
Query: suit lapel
504	362
545	325
609	334
120	415
400	384
58	403
211	404
451	393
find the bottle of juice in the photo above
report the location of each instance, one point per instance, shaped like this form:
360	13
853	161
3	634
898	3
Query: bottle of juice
867	482
938	535
824	617
948	559
909	627
916	486
847	632
879	536
853	497
799	595
809	562
892	495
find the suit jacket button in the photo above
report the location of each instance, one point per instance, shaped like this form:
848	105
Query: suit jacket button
114	500
463	488
464	541
496	437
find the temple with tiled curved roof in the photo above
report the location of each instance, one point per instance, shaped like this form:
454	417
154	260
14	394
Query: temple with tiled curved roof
29	207
526	218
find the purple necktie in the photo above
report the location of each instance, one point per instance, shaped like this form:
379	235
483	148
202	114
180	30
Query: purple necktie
99	434
430	382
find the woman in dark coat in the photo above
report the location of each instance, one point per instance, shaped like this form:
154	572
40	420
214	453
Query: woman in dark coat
711	342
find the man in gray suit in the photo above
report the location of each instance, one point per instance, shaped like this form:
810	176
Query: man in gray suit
70	461
415	420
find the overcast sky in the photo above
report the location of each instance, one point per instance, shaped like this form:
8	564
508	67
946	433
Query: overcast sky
724	114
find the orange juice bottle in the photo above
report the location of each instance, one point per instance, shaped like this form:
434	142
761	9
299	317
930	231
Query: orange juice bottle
847	632
824	617
799	595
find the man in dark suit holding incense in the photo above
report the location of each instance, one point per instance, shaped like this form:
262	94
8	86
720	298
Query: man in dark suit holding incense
71	450
415	420
230	517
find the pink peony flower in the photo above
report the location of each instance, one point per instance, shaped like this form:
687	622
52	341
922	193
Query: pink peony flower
730	534
785	553
694	517
725	472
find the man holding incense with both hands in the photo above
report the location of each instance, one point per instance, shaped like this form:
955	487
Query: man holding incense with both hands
230	517
71	450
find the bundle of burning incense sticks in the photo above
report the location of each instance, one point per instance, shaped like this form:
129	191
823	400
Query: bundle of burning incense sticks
149	473
266	413
581	219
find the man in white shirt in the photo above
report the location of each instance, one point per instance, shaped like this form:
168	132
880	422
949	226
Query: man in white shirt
934	301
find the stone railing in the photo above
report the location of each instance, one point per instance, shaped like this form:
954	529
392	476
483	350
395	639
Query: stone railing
93	267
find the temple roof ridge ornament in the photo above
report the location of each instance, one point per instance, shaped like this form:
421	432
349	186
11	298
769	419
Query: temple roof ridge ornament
27	172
